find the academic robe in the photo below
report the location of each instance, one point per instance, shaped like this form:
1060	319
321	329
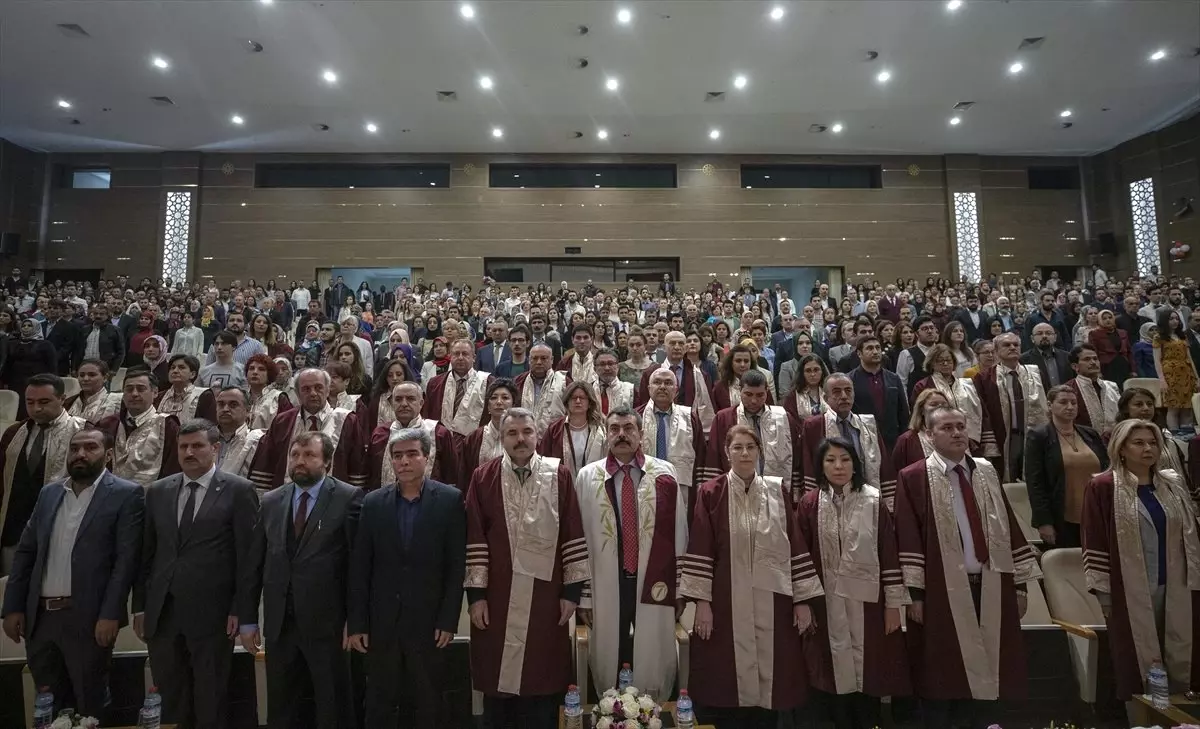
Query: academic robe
194	402
443	459
662	537
238	453
439	402
270	403
147	451
93	410
748	559
556	442
876	462
993	397
780	436
798	406
725	396
21	480
481	446
618	394
548	405
1115	565
699	399
960	392
954	654
853	547
1097	411
577	368
911	446
525	551
375	413
270	465
686	448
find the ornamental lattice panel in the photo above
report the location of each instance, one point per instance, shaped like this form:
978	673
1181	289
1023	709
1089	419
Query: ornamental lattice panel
177	223
966	228
1145	225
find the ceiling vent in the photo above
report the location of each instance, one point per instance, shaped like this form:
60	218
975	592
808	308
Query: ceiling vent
1031	44
714	95
817	128
320	127
963	105
162	100
447	96
254	46
72	30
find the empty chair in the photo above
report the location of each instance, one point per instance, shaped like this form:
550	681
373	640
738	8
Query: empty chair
1078	612
1018	498
117	383
70	386
9	403
1146	383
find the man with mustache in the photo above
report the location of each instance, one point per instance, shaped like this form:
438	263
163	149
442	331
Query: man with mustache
199	526
673	432
76	561
442	460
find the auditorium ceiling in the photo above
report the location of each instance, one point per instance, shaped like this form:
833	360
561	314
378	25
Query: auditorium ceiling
1059	77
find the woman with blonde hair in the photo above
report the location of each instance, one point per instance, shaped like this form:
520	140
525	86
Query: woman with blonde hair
941	365
1141	558
914	444
579	437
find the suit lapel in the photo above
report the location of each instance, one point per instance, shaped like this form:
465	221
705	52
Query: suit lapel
172	506
215	491
316	513
429	496
284	523
390	495
103	489
56	498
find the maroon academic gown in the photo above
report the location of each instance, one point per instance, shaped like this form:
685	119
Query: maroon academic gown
269	467
445	463
170	451
711	679
687	392
546	669
812	432
469	456
206	405
716	461
885	666
1100	550
993	416
721	398
937	667
908	450
699	451
431	409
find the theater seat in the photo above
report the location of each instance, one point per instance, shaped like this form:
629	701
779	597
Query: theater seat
1078	612
70	386
1146	383
1018	499
9	403
117	383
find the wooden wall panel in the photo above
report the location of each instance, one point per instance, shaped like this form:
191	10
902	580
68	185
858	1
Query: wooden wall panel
21	177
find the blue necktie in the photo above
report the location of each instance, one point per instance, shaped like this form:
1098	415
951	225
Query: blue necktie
762	459
660	437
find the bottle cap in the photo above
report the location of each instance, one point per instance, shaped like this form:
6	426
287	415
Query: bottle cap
572	687
683	692
624	665
43	689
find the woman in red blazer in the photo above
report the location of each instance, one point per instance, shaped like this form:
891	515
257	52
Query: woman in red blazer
1112	345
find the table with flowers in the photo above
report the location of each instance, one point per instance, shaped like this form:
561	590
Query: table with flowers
631	710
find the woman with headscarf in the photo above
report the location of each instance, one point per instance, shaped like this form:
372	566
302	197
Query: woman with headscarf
437	362
1112	346
154	357
28	355
1143	351
138	337
210	325
311	347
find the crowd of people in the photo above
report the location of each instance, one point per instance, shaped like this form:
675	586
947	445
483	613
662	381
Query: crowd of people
802	471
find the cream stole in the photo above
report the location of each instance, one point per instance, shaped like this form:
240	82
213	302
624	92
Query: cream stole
701	401
58	438
595	448
868	437
776	435
239	452
100	406
680	448
1036	409
960	392
1183	572
182	406
264	409
583	369
978	638
804	405
471	409
1102	413
549	407
619	393
387	473
138	456
329	422
489	447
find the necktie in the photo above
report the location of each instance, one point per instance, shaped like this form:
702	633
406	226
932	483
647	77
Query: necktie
978	538
189	511
679	396
604	398
629	535
522	474
37	449
757	419
1018	394
459	390
660	437
301	516
313	426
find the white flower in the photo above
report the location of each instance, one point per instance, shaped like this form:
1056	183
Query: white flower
630	709
611	693
62	722
606	705
631	690
645	702
604	723
655	723
632	724
89	722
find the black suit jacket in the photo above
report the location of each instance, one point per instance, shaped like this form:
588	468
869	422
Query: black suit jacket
205	572
104	560
111	345
64	335
1059	362
1044	474
894	419
312	570
973	332
400	594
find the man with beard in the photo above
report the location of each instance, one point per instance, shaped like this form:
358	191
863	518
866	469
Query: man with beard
199	525
1097	398
1051	361
101	340
1047	313
612	392
910	365
541	388
74	566
442	460
238	441
245	347
630	602
301	546
455	397
972	319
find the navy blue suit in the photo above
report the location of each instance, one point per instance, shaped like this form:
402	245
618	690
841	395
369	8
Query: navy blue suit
62	649
485	357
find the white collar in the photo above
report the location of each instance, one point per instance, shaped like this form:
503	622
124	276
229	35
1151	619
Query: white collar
204	480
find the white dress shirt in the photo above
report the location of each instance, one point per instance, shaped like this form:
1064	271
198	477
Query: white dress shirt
970	561
201	491
56	580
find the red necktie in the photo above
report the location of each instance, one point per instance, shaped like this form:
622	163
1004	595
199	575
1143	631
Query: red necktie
1018	422
459	390
604	398
312	423
978	538
629	530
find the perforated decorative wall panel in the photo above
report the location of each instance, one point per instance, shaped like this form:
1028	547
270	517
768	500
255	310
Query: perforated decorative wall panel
177	222
1145	225
966	230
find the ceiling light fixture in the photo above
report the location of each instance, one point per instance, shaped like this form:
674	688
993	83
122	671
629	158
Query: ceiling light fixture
884	76
1158	55
602	134
955	121
739	82
714	134
467	11
612	84
624	16
953	5
836	128
64	104
497	132
237	119
267	2
485	83
329	76
777	13
160	63
1016	68
1065	113
371	128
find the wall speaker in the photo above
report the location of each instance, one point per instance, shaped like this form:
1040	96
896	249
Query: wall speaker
1104	245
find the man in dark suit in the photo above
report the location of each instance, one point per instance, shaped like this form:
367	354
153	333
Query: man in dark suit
100	340
879	391
63	333
335	297
973	319
495	351
76	561
199	526
301	552
1130	320
1051	361
406	584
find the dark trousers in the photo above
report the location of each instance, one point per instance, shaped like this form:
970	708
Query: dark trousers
740	717
1016	455
191	670
1067	536
293	660
851	711
626	619
62	653
521	712
403	680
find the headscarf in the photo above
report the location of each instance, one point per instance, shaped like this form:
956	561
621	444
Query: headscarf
1146	336
207	317
163	352
441	362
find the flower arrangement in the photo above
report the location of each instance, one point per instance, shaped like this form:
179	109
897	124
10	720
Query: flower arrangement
71	720
626	709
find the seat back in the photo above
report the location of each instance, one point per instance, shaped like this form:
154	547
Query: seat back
1146	383
70	386
10	651
117	383
9	402
1067	594
1036	612
1018	499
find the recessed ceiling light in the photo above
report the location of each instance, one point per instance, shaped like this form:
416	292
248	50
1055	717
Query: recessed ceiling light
884	76
486	83
714	133
612	84
467	11
1016	67
836	128
267	2
64	104
955	121
602	134
497	132
371	128
236	119
329	76
1065	113
953	5
777	12
739	82
160	63
624	16
1158	55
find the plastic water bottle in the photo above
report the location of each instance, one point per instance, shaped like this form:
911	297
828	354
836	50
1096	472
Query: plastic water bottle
624	677
572	711
43	708
684	719
151	714
1156	678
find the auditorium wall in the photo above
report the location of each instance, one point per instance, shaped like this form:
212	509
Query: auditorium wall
21	179
709	221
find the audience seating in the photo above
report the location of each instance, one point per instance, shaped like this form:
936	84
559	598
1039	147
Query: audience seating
9	404
1018	499
1146	383
1078	612
70	386
117	383
1195	411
